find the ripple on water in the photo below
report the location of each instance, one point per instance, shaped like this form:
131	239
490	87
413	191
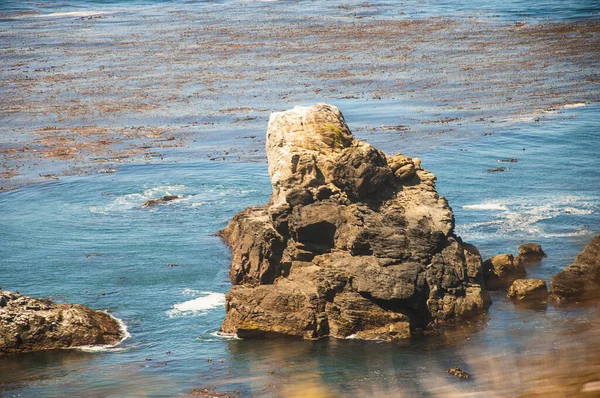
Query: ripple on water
526	217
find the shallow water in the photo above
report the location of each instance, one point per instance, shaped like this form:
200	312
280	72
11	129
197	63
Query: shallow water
85	239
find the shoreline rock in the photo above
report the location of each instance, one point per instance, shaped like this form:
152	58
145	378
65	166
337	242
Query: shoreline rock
352	242
29	324
580	281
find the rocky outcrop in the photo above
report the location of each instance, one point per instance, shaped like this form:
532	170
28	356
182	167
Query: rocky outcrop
531	253
528	290
28	324
164	199
502	270
580	281
353	243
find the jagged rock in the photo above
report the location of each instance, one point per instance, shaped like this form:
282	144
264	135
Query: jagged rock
29	324
528	290
531	252
458	372
353	243
154	202
580	281
502	270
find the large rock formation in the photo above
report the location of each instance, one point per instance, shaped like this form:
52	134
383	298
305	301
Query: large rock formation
28	324
580	281
352	242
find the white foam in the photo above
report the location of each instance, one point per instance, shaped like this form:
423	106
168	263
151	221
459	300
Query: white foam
486	206
135	200
225	336
72	14
191	292
574	105
527	217
108	347
198	306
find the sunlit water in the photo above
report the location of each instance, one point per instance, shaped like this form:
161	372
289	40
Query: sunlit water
86	240
163	271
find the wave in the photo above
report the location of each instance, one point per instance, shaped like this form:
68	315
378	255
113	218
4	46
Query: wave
108	347
486	206
72	14
198	306
574	105
135	200
192	197
527	218
225	336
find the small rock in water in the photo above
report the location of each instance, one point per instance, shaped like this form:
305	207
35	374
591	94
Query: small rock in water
497	170
458	372
502	270
164	199
508	160
528	290
172	265
531	252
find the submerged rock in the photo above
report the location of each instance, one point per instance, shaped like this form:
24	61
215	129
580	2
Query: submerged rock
528	290
458	372
154	202
580	281
353	243
29	324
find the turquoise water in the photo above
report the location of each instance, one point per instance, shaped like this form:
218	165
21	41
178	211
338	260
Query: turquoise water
507	10
86	240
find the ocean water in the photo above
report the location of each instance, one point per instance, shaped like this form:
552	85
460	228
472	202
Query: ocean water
163	271
507	10
86	240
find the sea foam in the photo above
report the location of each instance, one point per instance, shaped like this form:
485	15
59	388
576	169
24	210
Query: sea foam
82	14
198	306
135	200
486	206
525	218
574	105
108	347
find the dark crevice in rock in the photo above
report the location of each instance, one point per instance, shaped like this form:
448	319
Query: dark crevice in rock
317	237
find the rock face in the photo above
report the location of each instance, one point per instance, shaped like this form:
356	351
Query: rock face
28	324
528	290
580	281
502	270
352	243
